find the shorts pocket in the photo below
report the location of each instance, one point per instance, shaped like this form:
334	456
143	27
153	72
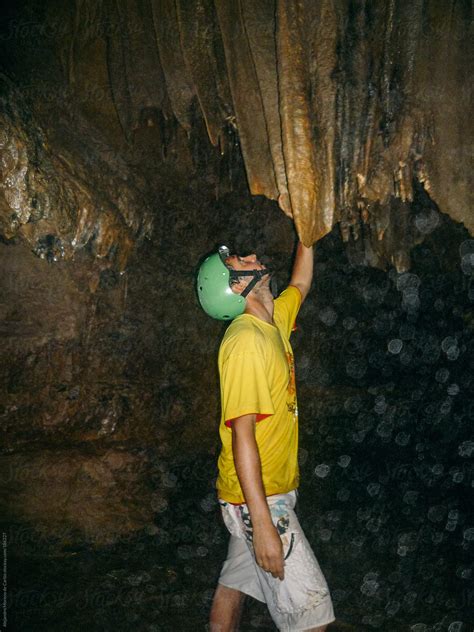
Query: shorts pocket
230	519
304	586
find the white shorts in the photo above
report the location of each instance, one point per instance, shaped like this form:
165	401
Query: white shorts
301	600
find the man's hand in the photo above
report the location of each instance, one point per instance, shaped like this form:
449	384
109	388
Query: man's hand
268	550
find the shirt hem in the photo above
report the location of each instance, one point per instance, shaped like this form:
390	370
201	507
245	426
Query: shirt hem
240	500
258	417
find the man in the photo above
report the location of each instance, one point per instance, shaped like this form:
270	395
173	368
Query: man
269	557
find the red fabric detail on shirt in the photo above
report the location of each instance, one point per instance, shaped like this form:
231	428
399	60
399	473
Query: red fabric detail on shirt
259	417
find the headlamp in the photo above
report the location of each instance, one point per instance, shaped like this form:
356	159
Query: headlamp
224	252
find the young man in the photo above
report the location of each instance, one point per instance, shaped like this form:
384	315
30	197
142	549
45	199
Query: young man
269	557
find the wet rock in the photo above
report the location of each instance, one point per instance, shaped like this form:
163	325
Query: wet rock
47	196
75	496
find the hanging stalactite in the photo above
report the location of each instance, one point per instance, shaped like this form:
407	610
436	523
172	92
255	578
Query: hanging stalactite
340	106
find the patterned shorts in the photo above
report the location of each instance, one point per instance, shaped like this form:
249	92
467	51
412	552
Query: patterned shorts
301	600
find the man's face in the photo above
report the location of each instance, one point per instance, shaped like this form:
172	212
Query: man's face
250	262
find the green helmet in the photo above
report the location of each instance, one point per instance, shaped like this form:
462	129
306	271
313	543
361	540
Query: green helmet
213	287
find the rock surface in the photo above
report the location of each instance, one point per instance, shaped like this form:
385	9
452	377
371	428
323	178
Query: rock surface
339	106
68	495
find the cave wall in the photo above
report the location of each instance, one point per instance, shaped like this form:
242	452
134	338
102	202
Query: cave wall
109	463
104	368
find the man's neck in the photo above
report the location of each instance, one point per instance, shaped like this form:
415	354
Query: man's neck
260	305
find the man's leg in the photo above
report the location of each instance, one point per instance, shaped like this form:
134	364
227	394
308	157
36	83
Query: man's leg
226	609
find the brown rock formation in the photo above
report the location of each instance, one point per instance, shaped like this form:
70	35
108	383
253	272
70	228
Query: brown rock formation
339	105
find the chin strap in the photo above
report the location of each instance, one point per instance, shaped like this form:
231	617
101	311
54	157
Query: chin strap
256	274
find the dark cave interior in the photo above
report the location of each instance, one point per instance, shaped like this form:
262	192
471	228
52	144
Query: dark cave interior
135	137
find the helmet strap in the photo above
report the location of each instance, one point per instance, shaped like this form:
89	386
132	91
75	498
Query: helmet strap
256	274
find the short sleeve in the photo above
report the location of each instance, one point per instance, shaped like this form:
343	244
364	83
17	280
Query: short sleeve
286	308
244	387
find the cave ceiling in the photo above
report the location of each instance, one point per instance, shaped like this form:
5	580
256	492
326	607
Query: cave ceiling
341	108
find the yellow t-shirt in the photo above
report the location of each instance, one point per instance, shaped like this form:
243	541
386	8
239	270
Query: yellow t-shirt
256	368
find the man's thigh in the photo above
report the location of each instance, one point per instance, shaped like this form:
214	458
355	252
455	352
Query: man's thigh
239	570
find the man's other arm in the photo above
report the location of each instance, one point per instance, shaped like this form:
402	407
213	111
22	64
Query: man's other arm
266	541
302	275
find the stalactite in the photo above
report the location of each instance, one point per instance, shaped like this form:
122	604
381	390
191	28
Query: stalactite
322	35
328	97
117	67
179	84
340	107
260	27
444	89
298	148
143	70
199	41
247	99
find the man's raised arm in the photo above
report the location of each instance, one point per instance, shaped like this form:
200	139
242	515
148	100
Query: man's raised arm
302	275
